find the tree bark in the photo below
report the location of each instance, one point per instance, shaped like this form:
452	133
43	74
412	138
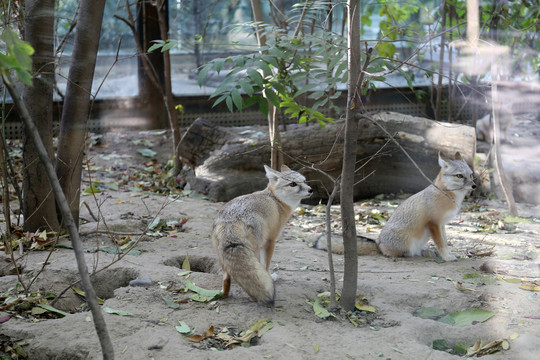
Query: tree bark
441	64
38	205
276	157
350	276
73	125
163	14
70	223
150	66
228	164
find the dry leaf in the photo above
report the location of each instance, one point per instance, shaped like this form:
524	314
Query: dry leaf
459	286
196	338
530	287
185	263
209	332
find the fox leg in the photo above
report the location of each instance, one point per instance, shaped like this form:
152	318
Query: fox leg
439	237
226	284
268	253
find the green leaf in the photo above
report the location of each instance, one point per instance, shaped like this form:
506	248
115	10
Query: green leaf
319	310
516	219
476	278
108	310
82	294
38	311
147	152
263	105
278	53
239	60
272	97
229	103
203	74
270	60
246	86
408	77
170	303
429	313
305	89
237	98
334	62
218	64
460	348
467	317
364	307
185	263
340	69
250	101
264	67
169	45
184	328
24	76
92	189
157	44
17	56
53	309
440	344
220	99
385	49
202	295
255	76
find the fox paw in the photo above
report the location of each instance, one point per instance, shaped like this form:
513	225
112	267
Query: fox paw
449	257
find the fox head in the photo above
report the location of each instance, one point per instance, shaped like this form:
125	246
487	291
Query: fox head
456	174
288	186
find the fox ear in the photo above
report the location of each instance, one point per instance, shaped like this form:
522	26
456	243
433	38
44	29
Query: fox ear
442	163
285	168
271	174
457	156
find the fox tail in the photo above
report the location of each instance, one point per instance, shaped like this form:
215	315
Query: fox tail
239	261
364	245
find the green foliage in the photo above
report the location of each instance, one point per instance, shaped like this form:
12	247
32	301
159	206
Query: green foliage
164	45
313	63
289	67
16	57
396	23
515	24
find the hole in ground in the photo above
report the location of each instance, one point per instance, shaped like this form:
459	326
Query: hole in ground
109	280
204	264
104	284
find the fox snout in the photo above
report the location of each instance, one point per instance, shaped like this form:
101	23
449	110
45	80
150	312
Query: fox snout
472	184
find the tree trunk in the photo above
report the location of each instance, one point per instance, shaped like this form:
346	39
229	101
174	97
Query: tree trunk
441	64
228	164
151	85
38	205
172	114
73	125
350	276
70	223
276	157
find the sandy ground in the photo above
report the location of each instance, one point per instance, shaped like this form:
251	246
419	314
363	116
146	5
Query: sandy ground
396	288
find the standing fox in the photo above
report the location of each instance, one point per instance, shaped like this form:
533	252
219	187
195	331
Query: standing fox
423	214
246	229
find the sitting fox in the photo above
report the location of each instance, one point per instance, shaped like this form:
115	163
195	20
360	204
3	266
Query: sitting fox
484	126
422	215
246	229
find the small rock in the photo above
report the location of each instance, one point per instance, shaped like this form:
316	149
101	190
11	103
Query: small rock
141	282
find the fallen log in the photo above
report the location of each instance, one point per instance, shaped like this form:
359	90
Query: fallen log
228	163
